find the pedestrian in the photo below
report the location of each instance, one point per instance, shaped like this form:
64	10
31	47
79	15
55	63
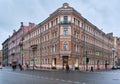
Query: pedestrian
105	66
91	69
27	66
0	65
67	68
14	66
73	67
20	67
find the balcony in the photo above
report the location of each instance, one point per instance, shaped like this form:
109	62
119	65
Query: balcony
65	22
65	52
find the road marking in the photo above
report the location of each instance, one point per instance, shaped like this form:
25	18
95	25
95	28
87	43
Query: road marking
57	79
116	79
69	81
51	78
63	80
76	82
46	78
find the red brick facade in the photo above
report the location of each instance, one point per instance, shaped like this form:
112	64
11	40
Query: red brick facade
67	37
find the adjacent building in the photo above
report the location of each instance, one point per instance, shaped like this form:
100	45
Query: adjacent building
5	52
13	46
0	56
117	56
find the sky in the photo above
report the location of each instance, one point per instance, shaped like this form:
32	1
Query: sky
105	14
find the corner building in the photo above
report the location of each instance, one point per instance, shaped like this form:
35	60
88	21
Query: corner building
67	37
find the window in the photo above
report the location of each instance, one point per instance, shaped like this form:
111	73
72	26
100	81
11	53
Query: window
76	48
76	34
78	23
48	25
74	20
52	23
45	27
54	48
65	19
54	34
65	46
48	61
65	31
48	37
82	25
56	20
45	38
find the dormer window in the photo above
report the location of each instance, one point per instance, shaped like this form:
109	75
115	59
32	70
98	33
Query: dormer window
65	5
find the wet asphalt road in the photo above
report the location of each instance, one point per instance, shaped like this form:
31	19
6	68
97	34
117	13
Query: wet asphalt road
7	76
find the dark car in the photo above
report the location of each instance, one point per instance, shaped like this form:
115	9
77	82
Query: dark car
114	67
118	67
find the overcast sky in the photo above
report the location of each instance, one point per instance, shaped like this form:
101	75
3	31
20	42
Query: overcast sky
105	14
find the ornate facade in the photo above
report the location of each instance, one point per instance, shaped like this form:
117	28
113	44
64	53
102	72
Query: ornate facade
66	37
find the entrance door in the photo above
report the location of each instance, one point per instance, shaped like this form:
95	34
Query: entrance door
76	64
65	61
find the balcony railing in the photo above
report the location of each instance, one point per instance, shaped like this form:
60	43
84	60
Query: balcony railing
65	52
65	22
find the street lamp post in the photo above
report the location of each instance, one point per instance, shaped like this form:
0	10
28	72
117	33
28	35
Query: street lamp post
113	50
34	48
87	60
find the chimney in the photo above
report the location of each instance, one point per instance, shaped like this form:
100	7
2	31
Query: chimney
9	36
110	34
14	31
21	24
31	24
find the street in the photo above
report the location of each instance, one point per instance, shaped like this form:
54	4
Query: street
7	76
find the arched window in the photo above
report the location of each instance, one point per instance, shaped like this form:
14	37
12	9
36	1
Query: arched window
65	46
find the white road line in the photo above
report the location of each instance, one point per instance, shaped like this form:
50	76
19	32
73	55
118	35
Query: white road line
57	79
63	80
46	78
51	78
84	83
76	82
69	81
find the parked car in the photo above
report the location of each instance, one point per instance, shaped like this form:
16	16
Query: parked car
118	67
114	67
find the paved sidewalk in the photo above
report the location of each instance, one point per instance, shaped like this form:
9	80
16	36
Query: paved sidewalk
49	70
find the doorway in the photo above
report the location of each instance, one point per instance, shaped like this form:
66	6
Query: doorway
65	61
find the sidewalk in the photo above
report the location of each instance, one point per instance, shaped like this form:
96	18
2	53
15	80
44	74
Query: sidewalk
50	70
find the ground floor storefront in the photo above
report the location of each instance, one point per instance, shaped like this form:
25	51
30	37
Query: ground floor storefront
75	62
